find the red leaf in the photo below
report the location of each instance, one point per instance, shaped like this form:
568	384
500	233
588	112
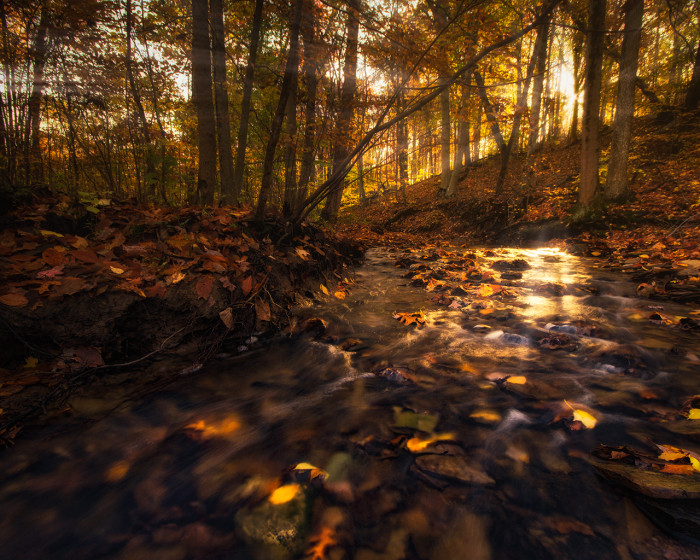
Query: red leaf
247	285
51	272
204	287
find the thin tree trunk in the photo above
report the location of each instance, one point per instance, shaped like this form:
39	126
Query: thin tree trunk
202	98
692	96
540	55
445	138
290	71
590	122
577	48
462	144
490	111
617	187
290	158
150	182
402	144
35	173
223	127
344	123
238	169
310	68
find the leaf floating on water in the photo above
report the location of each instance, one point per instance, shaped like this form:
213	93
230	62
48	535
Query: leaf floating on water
588	420
694	414
488	416
208	429
517	379
340	294
407	319
409	419
284	494
417	444
117	471
309	471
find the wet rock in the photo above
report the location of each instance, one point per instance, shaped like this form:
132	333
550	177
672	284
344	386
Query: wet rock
453	468
276	531
650	483
516	264
678	517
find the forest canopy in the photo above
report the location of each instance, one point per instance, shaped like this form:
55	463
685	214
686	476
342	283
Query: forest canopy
300	107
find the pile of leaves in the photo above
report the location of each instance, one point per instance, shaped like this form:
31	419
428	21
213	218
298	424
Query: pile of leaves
89	286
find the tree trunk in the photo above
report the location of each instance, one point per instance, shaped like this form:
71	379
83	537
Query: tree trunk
290	157
288	80
202	98
462	145
445	138
577	48
490	111
344	123
237	181
617	187
591	104
35	173
223	127
402	144
692	97
310	68
540	55
150	179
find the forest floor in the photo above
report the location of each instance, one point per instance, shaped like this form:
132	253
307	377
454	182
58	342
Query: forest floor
96	292
655	236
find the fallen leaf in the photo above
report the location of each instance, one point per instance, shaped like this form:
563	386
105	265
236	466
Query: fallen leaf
31	363
14	300
262	310
226	317
489	416
116	270
47	233
588	420
204	287
517	379
694	414
339	294
247	285
304	255
325	290
51	272
284	494
53	257
321	543
177	277
86	255
310	472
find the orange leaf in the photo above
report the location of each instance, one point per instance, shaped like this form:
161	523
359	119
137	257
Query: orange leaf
86	255
53	257
14	300
262	310
247	285
204	287
226	317
325	540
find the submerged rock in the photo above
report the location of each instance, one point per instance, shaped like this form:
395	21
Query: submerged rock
453	468
276	531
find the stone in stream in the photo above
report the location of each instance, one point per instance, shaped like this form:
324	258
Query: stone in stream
276	531
454	468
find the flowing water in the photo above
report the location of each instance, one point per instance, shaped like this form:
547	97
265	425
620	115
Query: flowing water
462	429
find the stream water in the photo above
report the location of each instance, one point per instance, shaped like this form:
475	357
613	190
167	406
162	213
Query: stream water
462	429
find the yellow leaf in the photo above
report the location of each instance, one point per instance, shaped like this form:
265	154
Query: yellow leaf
314	472
31	363
595	253
325	290
284	494
588	420
485	290
177	277
517	379
694	414
339	294
486	415
116	270
47	233
695	463
671	453
416	444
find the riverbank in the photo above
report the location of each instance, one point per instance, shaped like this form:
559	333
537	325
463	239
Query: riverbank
97	289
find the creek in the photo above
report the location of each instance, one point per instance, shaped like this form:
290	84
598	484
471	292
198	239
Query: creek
444	406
